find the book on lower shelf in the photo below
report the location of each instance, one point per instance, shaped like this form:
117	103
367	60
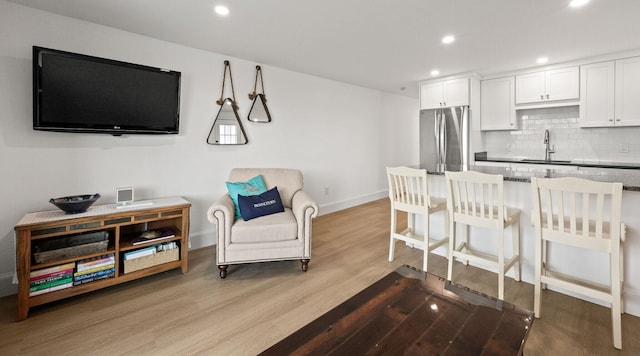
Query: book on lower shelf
101	274
53	283
153	236
94	262
51	289
51	279
50	270
131	255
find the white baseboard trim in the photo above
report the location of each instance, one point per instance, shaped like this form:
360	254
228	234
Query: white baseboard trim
6	285
631	301
349	203
202	239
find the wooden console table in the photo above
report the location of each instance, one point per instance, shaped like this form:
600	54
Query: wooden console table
410	312
122	225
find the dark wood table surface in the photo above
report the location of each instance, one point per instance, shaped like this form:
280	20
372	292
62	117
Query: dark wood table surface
410	312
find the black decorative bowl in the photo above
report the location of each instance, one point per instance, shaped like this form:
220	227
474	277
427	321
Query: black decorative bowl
75	204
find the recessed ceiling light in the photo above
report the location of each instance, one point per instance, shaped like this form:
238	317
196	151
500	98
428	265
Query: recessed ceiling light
221	10
578	3
448	39
435	72
542	60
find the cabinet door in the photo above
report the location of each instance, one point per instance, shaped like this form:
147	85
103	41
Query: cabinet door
456	92
431	95
497	109
562	84
530	88
627	111
597	94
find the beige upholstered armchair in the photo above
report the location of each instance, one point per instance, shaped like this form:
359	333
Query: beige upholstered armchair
280	236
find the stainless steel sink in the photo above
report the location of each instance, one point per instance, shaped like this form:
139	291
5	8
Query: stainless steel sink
543	161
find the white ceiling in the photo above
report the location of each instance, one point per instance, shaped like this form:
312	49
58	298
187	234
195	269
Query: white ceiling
380	44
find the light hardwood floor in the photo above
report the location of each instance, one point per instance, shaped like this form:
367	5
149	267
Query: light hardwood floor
259	304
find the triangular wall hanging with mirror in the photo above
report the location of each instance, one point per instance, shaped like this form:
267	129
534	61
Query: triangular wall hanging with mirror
259	111
227	128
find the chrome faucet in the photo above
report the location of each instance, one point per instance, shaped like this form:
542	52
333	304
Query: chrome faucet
547	151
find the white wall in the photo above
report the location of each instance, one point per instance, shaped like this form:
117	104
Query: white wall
341	136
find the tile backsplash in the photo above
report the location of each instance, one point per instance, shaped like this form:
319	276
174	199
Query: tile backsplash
569	140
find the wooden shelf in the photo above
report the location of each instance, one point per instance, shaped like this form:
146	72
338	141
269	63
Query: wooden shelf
123	225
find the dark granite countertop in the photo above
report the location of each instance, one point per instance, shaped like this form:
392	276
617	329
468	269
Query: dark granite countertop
482	157
630	178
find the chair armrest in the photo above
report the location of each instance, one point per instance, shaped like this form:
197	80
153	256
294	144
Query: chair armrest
303	205
222	213
304	209
223	207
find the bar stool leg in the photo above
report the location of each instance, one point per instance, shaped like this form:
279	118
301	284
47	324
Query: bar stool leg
539	253
501	266
465	240
616	309
515	233
452	246
425	255
392	241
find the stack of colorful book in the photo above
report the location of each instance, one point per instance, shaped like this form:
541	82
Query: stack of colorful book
51	279
94	269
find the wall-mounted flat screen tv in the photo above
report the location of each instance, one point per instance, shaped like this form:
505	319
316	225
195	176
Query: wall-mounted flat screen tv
79	93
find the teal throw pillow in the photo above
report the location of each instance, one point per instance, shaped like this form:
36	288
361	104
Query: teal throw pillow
253	186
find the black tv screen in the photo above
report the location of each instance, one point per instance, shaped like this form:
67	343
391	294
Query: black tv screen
79	93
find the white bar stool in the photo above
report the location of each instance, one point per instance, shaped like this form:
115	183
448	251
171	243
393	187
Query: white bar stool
477	199
408	192
585	214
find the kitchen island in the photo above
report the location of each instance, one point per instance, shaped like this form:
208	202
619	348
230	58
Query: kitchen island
517	194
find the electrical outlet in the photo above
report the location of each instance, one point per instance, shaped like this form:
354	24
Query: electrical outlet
326	191
623	148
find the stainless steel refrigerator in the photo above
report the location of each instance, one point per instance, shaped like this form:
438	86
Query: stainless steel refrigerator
444	139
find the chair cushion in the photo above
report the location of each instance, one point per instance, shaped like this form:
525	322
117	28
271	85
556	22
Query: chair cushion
269	228
255	206
253	186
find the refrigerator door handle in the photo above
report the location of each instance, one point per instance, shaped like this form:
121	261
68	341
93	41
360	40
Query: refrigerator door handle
443	138
465	138
436	133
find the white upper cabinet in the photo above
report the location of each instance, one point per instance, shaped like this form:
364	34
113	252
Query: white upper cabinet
610	93
549	85
530	87
597	87
563	84
454	92
628	92
431	95
497	109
